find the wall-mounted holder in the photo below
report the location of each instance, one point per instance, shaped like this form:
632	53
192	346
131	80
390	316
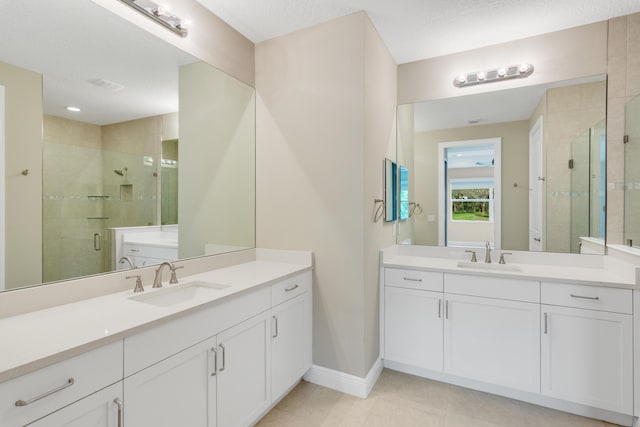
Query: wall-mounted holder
413	207
25	172
378	206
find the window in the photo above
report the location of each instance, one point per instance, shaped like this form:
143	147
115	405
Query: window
471	199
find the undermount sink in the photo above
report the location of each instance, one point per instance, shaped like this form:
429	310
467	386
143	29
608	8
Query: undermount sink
175	294
489	266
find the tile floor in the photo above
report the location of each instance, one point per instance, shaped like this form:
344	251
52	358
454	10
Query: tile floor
401	400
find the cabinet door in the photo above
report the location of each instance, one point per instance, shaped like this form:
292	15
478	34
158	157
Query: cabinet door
587	357
493	341
290	343
101	409
178	391
244	372
413	327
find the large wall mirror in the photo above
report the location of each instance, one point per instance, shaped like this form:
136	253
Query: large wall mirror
539	152
157	164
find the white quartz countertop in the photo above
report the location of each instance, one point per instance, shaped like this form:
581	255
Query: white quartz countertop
34	340
600	276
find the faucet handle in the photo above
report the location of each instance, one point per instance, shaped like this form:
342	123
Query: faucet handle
502	257
174	278
473	255
139	287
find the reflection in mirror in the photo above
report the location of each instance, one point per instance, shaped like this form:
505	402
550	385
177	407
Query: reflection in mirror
390	191
553	145
403	192
632	173
103	180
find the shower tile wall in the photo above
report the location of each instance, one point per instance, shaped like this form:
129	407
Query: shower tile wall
571	111
82	194
71	175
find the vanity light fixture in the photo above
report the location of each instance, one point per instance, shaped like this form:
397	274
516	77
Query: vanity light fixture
161	15
493	75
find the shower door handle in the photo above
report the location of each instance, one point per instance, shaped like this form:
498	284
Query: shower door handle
97	241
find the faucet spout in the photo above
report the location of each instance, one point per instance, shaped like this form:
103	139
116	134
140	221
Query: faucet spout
124	259
157	281
487	257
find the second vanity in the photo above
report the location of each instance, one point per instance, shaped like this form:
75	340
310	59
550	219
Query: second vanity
219	348
550	329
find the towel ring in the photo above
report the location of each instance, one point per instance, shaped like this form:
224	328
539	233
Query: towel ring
379	212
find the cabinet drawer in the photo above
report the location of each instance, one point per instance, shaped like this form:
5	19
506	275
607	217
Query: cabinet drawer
413	279
58	385
590	297
289	288
168	254
493	287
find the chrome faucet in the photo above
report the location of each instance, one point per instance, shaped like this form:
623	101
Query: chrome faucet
157	281
124	259
487	257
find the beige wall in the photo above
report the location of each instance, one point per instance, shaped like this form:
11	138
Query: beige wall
216	177
623	85
515	167
380	77
325	122
210	38
561	55
23	199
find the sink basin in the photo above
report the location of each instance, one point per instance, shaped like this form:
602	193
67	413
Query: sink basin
175	294
490	267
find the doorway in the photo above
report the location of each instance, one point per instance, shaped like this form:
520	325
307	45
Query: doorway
469	193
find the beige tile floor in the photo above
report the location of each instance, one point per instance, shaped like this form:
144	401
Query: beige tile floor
400	400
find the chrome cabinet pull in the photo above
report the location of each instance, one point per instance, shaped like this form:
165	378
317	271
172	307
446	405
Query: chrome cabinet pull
583	297
118	402
275	334
69	383
224	362
537	239
97	241
446	309
293	288
439	309
546	323
409	279
214	351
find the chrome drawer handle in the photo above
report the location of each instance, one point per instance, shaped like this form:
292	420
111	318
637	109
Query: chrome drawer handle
214	351
546	324
583	297
409	279
118	403
224	361
275	333
69	383
293	288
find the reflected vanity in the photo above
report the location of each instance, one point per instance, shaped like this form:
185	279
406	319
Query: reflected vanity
159	138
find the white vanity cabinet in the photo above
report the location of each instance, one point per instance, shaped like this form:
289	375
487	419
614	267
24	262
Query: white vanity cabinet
223	381
176	391
290	333
214	367
491	330
587	345
413	324
101	409
28	398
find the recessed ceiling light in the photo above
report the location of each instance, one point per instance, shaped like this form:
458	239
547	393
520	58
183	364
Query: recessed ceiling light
73	109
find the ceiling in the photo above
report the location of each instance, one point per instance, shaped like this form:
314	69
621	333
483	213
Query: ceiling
92	59
420	29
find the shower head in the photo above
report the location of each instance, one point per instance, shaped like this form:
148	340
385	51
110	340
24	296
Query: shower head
120	172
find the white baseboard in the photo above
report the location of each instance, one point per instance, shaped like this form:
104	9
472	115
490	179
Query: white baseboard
345	383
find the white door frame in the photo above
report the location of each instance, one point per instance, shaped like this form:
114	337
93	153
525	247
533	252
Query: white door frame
2	192
536	187
497	177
